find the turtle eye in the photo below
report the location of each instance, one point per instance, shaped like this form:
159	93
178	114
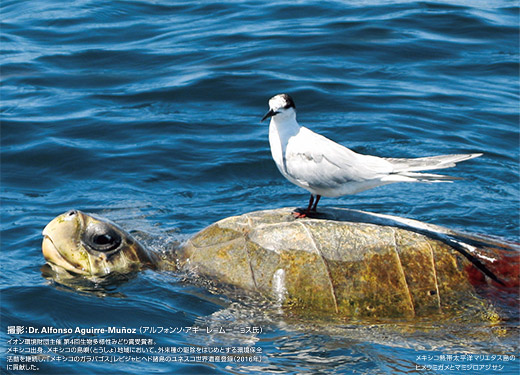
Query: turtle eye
102	238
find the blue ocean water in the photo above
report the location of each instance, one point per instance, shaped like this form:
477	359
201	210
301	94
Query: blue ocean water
148	113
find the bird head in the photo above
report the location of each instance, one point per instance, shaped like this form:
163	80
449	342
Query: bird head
280	105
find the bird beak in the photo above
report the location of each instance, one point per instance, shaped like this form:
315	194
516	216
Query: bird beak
269	114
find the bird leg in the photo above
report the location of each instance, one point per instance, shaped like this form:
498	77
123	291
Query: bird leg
310	208
315	203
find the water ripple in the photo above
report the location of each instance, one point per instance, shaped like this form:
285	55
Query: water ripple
149	113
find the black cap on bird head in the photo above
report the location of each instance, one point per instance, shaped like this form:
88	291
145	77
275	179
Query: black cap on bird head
277	103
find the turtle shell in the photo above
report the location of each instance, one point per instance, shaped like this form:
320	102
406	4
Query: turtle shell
335	264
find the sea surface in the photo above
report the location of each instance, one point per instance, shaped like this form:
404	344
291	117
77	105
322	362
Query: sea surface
148	113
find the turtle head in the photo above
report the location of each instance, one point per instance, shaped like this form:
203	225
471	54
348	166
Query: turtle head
90	246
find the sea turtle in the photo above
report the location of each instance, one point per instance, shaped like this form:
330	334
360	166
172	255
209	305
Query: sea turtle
348	263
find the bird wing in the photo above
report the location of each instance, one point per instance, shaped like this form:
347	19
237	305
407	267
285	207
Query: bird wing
314	161
429	163
317	161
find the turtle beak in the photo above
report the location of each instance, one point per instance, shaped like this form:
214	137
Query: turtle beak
269	114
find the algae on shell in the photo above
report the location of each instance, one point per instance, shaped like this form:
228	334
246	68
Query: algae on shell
339	266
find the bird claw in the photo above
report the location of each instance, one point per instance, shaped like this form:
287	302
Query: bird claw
299	215
303	213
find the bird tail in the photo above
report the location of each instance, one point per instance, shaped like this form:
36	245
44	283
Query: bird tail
429	163
404	169
424	177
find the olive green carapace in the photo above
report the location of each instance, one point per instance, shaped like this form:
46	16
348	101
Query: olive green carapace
346	264
347	268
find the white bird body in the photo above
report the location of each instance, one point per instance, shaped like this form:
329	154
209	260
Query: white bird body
326	168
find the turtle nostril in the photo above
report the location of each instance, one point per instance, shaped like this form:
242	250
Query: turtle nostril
71	213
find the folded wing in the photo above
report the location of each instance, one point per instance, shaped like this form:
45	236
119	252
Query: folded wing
316	161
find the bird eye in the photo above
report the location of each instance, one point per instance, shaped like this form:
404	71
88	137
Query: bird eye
102	238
